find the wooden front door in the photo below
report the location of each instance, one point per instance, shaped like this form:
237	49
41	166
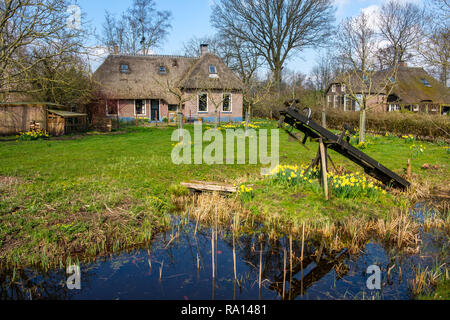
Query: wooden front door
154	106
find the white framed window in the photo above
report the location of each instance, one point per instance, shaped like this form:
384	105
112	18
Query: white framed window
329	98
333	88
343	88
425	82
212	69
335	101
124	68
140	107
394	107
416	108
162	70
227	102
203	102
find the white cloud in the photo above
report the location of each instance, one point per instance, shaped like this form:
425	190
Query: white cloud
96	56
373	13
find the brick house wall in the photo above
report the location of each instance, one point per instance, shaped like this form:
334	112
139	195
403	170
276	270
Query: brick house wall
335	100
126	109
191	109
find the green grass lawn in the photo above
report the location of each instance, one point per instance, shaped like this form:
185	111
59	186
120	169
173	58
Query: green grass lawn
63	198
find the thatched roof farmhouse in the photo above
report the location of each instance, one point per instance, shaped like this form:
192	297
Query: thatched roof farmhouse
412	89
144	86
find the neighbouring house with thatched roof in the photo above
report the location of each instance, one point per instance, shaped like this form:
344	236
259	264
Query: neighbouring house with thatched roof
412	89
151	86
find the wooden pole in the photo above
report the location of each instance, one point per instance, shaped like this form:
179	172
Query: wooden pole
323	165
408	169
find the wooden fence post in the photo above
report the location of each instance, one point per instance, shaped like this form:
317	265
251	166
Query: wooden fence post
323	166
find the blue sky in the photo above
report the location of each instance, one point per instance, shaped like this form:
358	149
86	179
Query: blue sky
192	18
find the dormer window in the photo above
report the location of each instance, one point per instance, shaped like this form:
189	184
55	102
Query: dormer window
212	69
124	68
425	82
392	79
333	88
162	70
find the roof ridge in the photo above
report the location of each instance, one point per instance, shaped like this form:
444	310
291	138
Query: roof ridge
152	56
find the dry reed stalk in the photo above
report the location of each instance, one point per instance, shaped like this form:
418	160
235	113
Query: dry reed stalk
284	273
260	265
303	241
290	263
198	262
212	255
290	254
161	270
234	258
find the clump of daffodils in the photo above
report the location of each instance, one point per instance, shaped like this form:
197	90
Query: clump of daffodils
353	185
408	138
363	145
294	175
250	125
343	186
246	193
416	150
33	135
237	125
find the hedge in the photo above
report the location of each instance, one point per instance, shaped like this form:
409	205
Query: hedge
422	126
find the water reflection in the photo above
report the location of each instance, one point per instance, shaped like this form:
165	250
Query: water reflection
180	264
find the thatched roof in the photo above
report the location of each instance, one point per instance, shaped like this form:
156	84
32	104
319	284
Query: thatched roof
410	89
144	80
408	86
199	77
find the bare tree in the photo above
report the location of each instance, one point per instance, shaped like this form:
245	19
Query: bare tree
138	30
434	44
324	71
255	92
240	57
275	29
181	96
63	79
357	44
400	25
191	47
28	27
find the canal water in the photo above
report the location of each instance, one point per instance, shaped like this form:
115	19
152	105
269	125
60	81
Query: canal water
179	265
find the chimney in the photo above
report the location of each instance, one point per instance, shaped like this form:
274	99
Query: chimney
116	49
203	49
403	64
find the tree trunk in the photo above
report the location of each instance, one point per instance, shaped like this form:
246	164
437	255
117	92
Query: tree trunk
277	78
180	123
362	125
216	120
324	118
247	119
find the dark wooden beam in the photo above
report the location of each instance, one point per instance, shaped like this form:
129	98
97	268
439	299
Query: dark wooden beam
295	118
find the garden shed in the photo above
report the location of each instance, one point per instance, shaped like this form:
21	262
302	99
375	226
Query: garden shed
64	122
18	117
